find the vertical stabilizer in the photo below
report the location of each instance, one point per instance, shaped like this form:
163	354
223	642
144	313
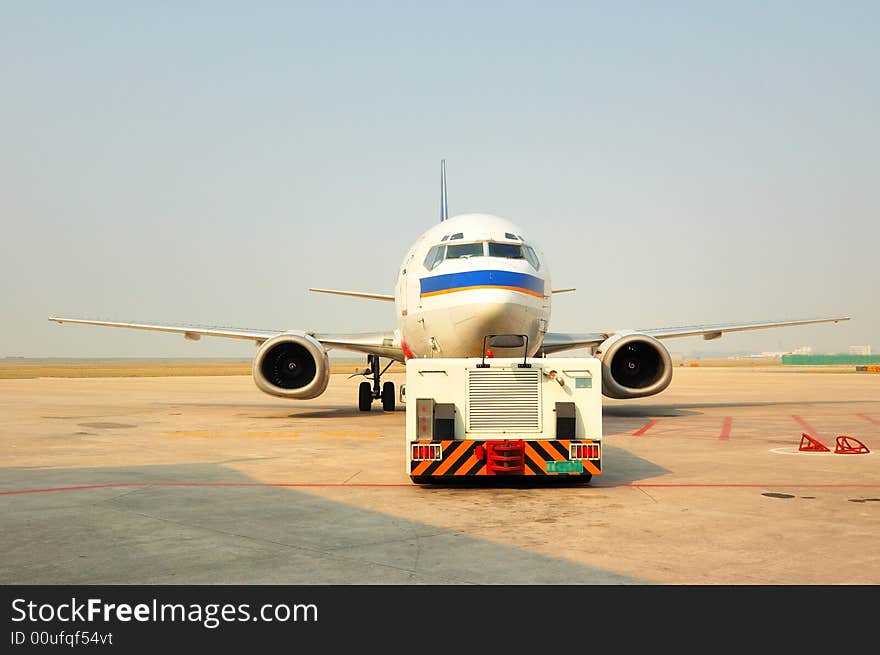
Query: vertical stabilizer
444	211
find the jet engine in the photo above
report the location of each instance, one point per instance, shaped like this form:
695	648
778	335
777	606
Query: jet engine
292	365
634	365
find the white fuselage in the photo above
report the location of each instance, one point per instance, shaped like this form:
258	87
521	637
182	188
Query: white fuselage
485	276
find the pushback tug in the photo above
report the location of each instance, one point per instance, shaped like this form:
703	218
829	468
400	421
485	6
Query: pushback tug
474	418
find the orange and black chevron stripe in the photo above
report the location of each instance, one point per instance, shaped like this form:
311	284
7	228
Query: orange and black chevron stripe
460	459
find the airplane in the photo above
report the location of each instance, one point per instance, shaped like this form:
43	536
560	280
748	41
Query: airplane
467	277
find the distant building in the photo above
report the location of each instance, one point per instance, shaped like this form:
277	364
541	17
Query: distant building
860	350
778	354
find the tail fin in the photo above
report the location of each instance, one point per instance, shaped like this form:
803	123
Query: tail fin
444	212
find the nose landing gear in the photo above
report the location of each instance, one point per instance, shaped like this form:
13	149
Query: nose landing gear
367	392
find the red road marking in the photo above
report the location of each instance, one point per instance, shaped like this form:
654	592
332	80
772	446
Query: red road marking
712	485
809	428
869	419
647	426
665	485
680	436
114	485
725	429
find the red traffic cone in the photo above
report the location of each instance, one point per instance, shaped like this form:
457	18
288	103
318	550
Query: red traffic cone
850	446
812	445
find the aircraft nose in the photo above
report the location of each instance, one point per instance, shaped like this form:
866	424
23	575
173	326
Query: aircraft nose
499	313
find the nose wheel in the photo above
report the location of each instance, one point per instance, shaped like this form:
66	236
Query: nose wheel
367	392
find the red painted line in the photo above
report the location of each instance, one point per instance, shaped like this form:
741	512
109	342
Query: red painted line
318	485
681	436
726	485
869	419
647	426
725	429
809	428
86	487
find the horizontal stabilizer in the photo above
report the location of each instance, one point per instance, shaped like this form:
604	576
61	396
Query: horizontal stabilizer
356	294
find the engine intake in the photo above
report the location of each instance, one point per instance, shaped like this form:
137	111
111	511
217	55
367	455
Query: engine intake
292	365
633	366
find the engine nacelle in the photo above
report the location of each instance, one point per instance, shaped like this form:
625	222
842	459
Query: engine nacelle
292	365
634	365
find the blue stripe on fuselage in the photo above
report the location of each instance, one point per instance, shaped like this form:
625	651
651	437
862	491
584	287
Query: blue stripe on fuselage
485	278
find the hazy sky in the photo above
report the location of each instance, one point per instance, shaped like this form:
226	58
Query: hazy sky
206	162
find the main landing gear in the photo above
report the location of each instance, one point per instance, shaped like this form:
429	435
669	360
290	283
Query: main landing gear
367	392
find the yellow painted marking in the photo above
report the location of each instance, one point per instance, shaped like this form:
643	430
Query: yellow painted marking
349	434
197	434
270	434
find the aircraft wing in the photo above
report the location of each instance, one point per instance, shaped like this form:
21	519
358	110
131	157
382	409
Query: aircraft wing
559	341
384	344
555	342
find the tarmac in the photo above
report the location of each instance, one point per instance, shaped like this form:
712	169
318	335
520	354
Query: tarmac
204	480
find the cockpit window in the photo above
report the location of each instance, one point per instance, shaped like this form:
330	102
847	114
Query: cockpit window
442	251
435	256
506	250
508	235
457	235
444	238
464	250
532	257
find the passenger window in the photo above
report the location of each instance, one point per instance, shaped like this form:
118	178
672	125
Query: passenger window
506	250
532	257
464	250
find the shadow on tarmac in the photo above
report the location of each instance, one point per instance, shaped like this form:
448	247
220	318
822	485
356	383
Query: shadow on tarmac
209	533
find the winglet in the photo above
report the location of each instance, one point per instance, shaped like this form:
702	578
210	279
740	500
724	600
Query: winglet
444	212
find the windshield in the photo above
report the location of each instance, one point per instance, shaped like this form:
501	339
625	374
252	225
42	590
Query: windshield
435	256
506	250
441	252
532	257
464	250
